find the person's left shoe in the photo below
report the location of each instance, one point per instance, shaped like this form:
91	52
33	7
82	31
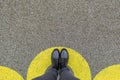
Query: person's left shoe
55	59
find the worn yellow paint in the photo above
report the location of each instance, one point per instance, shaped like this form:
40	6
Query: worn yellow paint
76	62
9	74
110	73
42	61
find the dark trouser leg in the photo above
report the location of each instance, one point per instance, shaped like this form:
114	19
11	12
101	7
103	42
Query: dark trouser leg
65	74
51	74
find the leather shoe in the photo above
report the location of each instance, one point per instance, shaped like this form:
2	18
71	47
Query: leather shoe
63	58
55	59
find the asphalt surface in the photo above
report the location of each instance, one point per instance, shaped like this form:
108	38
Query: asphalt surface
91	27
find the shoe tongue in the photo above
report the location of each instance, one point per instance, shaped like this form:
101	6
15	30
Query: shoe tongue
63	63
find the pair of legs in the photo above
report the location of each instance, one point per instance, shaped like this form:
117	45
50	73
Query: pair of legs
59	67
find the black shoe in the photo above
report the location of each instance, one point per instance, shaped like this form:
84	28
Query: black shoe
63	58
55	59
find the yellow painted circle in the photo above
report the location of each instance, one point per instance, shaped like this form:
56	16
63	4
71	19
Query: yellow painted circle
42	61
110	73
9	74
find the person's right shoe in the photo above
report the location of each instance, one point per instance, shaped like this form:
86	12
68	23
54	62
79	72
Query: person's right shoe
63	59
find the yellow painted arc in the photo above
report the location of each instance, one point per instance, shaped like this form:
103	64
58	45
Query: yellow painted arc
109	73
9	74
42	61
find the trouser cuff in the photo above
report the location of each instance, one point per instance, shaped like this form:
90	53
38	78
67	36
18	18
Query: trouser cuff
64	69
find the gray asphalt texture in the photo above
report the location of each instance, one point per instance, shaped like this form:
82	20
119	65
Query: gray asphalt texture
91	27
